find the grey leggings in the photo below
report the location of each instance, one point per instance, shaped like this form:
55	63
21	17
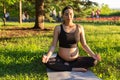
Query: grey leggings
58	64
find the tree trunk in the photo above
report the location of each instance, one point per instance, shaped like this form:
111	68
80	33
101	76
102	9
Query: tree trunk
4	11
39	21
20	11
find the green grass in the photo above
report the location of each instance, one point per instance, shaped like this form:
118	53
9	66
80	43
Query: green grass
106	41
24	24
16	24
20	57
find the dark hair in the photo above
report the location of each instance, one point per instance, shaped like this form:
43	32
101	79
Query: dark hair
67	7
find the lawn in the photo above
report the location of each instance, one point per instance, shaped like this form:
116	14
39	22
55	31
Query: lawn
21	50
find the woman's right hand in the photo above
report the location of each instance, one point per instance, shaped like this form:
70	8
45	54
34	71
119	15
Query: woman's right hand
45	59
97	57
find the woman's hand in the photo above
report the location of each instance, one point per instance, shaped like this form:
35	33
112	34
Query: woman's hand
45	59
97	57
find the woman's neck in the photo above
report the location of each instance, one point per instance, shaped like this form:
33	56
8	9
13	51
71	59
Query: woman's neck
68	23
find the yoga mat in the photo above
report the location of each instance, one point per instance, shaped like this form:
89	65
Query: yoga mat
70	75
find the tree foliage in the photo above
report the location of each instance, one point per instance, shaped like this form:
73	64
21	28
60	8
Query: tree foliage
81	8
105	9
8	2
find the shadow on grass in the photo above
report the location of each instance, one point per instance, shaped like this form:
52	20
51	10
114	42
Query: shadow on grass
26	34
22	37
117	48
34	65
27	28
2	39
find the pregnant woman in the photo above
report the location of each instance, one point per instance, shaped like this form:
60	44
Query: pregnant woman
68	34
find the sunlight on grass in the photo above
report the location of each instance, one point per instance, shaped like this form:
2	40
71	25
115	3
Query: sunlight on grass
20	57
17	24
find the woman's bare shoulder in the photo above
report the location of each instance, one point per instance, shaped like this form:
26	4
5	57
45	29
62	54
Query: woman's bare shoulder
80	27
57	28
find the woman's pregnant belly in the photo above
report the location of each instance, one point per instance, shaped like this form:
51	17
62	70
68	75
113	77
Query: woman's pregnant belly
68	54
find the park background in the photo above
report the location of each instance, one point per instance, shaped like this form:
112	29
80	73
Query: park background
22	44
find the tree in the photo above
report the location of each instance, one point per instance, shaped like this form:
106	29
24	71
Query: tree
57	4
52	4
4	4
105	10
20	11
39	21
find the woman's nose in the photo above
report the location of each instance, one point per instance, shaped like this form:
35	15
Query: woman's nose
68	16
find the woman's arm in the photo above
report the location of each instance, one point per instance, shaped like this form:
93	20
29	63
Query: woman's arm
54	41
45	58
85	46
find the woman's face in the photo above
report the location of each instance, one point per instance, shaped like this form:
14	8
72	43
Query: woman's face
68	15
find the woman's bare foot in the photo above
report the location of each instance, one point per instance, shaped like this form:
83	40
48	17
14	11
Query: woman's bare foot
79	69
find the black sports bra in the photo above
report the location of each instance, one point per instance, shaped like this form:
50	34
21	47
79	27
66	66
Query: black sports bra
67	40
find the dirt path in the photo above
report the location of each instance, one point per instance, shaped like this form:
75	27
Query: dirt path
20	32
